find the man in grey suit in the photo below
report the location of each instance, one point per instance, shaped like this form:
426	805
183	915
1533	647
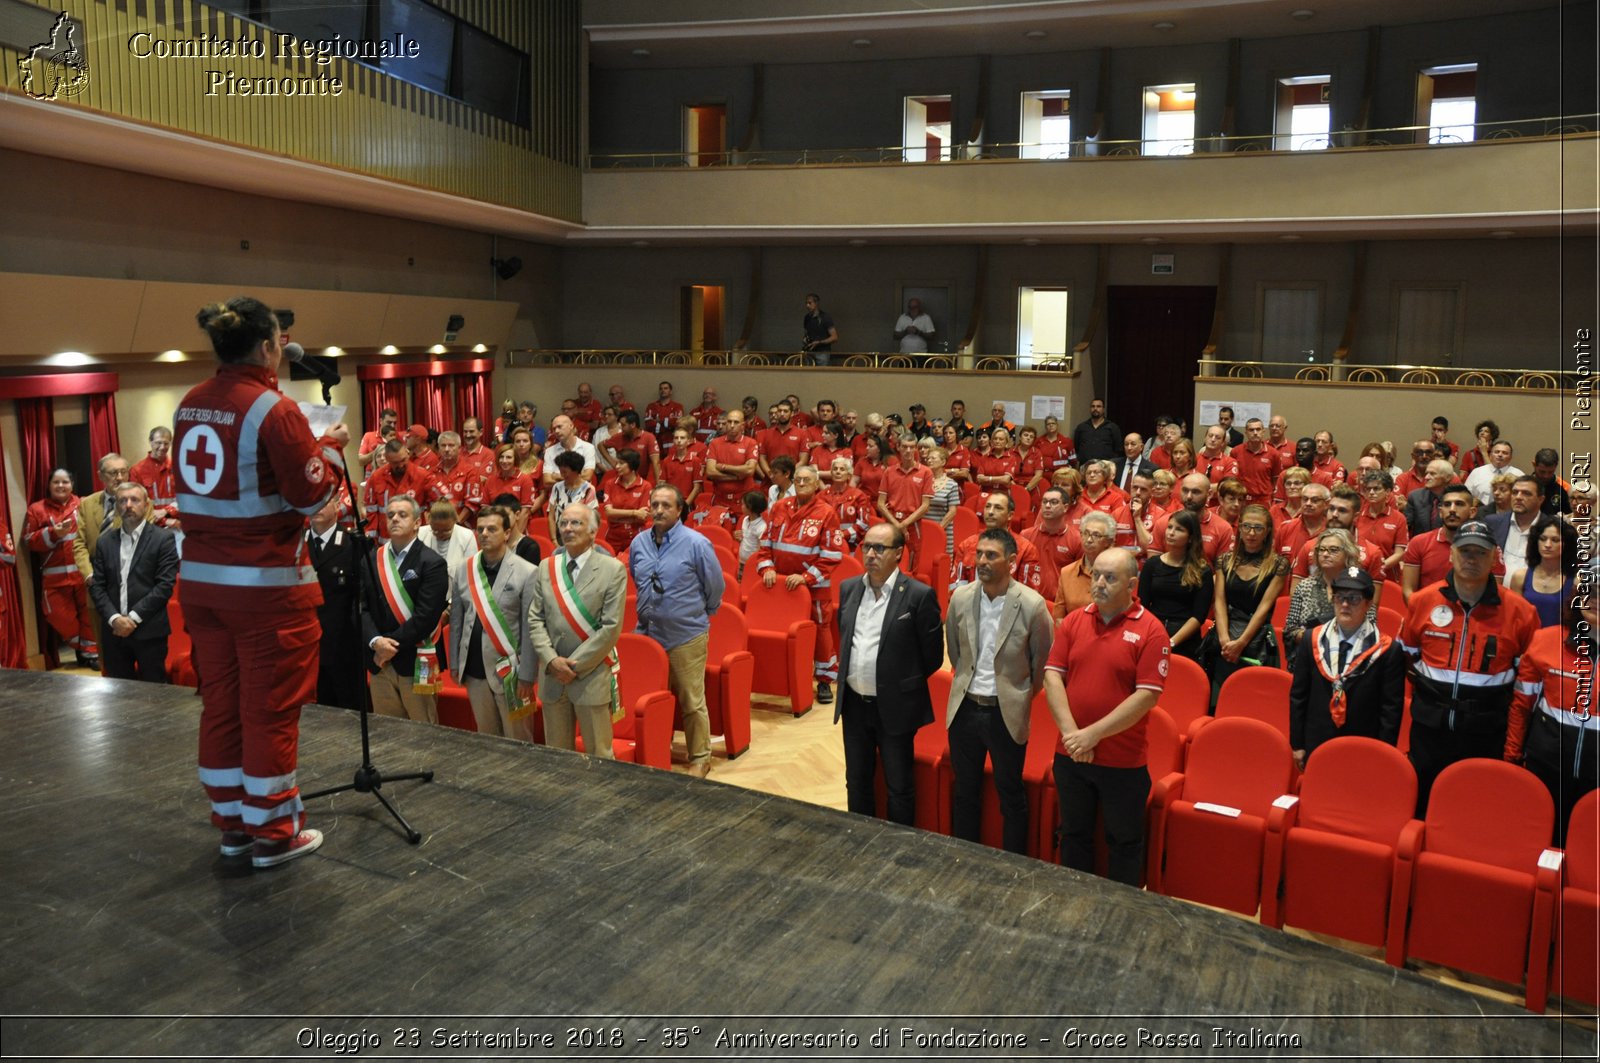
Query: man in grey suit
998	634
888	647
135	569
574	620
493	656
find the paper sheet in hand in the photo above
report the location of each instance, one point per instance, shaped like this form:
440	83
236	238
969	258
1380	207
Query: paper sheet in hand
321	417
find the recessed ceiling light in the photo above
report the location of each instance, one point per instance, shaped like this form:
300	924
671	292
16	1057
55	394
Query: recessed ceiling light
332	352
1150	239
1302	14
390	349
1030	241
858	242
437	348
861	42
1501	234
479	348
1036	35
641	53
171	356
1289	238
69	358
1164	26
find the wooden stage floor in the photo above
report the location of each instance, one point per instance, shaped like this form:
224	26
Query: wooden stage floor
555	893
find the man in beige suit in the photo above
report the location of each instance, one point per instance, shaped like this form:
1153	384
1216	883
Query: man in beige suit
997	633
492	655
97	514
574	620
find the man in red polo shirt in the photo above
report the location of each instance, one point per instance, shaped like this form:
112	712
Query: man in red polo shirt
661	416
473	451
1026	568
586	411
1326	468
631	435
1427	557
371	448
731	463
1279	439
1295	533
684	466
1343	505
1216	534
458	480
1056	540
1416	477
1259	463
1380	522
1106	669
783	439
904	494
1214	459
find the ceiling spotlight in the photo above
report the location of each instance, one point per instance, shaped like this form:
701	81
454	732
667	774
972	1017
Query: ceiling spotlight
1036	35
1164	26
332	352
861	42
506	268
641	53
69	358
437	348
478	348
1302	14
389	349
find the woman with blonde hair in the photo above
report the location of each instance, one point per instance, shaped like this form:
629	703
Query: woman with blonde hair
1251	575
1311	601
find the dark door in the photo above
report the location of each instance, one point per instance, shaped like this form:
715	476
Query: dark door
1154	334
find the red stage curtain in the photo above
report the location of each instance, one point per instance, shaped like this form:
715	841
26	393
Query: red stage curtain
36	423
102	432
472	397
13	634
431	405
380	395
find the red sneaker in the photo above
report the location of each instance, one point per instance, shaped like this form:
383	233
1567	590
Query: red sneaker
236	843
270	854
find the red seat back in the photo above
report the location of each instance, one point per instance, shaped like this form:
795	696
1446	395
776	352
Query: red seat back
729	560
1389	622
715	532
774	608
847	568
1358	787
1187	694
644	667
1165	741
729	633
967	524
1258	694
1241	763
1491	812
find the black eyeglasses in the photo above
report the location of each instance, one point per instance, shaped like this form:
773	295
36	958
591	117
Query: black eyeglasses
876	548
655	584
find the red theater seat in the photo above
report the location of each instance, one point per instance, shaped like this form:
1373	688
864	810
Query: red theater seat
1574	974
783	638
730	676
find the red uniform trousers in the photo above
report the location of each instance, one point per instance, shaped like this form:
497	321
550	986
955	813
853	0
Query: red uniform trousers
826	659
256	670
66	610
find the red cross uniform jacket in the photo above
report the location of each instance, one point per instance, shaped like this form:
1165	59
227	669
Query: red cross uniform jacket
1464	662
249	473
54	547
801	538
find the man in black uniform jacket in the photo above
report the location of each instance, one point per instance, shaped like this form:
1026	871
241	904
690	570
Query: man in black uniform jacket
333	555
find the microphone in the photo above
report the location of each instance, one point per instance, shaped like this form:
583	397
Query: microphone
320	369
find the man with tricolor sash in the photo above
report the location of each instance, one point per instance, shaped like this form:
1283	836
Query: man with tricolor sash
400	620
574	621
491	654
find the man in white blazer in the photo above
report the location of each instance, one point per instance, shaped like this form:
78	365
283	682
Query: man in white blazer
489	602
997	633
574	622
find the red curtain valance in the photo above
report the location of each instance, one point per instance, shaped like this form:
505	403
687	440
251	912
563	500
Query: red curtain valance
54	385
405	370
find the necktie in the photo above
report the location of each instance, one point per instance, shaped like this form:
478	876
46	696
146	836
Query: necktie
316	549
572	569
1344	654
1127	473
111	512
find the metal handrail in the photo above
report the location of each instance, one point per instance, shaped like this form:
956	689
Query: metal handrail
1441	376
1077	150
1066	364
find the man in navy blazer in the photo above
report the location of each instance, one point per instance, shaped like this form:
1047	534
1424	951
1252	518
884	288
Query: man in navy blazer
393	641
1132	454
890	642
135	568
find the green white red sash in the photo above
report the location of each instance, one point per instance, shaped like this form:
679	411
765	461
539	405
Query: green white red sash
500	633
582	621
425	676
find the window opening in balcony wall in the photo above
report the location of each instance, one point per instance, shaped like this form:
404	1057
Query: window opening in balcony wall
700	317
1169	119
1041	324
1447	103
927	129
1046	129
705	134
1304	114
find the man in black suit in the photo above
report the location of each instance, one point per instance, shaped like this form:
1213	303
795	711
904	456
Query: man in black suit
135	568
890	642
333	555
405	599
1132	455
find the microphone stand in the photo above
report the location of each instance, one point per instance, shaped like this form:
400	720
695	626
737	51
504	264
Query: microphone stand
368	779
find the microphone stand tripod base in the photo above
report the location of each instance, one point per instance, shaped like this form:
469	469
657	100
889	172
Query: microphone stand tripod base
369	780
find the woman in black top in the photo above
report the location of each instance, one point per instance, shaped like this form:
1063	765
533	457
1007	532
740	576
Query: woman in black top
1252	575
1177	585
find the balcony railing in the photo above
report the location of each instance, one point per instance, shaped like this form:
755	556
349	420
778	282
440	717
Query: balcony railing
1432	376
987	363
1348	139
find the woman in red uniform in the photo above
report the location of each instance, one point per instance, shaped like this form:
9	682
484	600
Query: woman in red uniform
50	528
507	479
249	472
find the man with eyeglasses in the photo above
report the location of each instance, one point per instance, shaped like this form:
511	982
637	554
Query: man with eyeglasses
889	645
1055	539
1342	506
1422	453
1464	636
574	620
801	546
1296	533
1105	671
679	583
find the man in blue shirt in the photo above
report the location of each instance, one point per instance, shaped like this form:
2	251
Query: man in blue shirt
679	583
